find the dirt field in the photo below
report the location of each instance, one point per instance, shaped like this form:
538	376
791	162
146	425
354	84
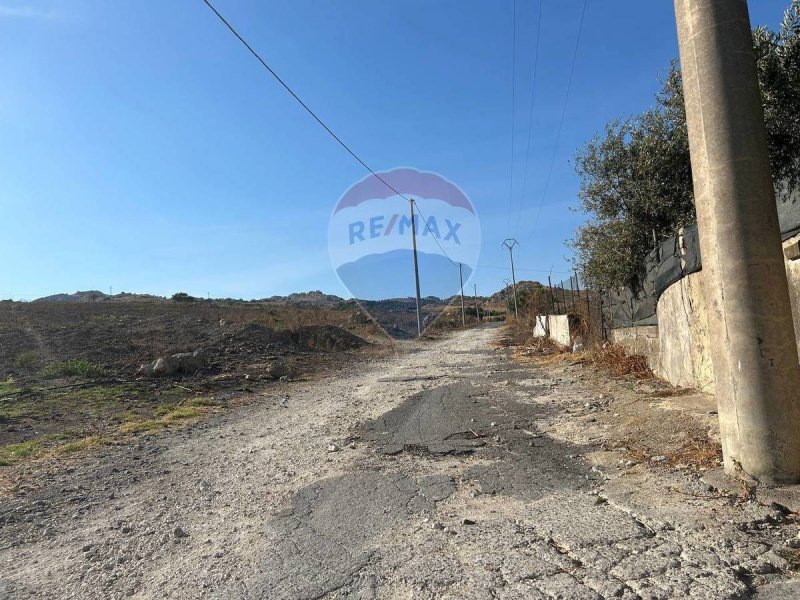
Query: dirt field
68	371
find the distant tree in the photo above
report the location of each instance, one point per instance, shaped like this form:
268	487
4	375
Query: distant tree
636	178
532	299
183	297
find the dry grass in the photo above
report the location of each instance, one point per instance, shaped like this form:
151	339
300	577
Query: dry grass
697	454
613	358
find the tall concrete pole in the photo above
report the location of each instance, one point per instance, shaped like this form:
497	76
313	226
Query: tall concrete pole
463	311
477	309
416	265
510	243
754	354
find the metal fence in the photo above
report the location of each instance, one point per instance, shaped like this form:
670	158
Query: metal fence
586	308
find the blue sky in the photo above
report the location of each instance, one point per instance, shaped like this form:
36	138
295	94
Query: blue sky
142	148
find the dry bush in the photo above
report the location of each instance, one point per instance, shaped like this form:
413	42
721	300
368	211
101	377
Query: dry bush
612	357
697	453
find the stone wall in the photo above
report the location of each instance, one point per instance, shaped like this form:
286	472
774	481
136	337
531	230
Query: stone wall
640	340
685	358
678	348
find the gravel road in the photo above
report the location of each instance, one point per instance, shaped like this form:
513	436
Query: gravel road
447	471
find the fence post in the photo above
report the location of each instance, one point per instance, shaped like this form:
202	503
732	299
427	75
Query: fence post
603	336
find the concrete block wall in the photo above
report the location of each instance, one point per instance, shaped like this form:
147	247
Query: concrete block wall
558	326
678	348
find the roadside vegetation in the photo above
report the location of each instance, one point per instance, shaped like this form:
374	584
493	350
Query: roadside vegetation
636	182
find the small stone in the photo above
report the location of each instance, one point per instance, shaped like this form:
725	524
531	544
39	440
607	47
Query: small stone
333	448
493	424
438	526
178	532
659	458
468	522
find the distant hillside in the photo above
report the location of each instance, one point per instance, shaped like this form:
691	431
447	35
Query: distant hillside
499	298
313	298
88	296
98	296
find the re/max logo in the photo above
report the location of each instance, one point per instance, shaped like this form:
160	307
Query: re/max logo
379	226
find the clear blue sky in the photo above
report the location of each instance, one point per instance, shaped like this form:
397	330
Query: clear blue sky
142	148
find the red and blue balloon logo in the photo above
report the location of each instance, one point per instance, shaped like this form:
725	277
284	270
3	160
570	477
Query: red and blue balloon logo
369	235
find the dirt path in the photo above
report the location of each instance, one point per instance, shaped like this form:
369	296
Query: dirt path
446	472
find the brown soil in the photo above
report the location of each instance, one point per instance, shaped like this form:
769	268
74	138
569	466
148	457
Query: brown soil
68	370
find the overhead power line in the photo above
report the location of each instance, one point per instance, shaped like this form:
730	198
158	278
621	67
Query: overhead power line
435	239
530	117
299	100
561	121
513	108
319	120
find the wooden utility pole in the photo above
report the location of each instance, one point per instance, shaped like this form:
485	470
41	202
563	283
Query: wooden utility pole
753	348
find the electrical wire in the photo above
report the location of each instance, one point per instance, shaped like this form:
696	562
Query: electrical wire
513	109
345	146
561	122
530	119
435	239
299	100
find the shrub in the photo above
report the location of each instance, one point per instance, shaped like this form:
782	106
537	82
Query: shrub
75	366
613	358
26	360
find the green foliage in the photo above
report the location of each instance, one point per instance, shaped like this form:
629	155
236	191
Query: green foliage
183	297
75	366
26	360
12	453
532	299
8	388
636	176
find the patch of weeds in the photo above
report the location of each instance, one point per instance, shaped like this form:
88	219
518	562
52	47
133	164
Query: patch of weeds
75	366
88	442
201	401
614	359
172	395
170	417
128	416
8	388
111	397
184	412
13	453
164	409
26	360
697	453
142	426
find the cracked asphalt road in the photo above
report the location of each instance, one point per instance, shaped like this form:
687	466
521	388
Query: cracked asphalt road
451	478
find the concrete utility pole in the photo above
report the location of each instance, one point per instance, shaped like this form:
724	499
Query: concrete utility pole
461	279
477	308
416	265
510	243
753	349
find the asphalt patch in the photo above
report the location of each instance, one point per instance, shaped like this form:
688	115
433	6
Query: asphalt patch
332	528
